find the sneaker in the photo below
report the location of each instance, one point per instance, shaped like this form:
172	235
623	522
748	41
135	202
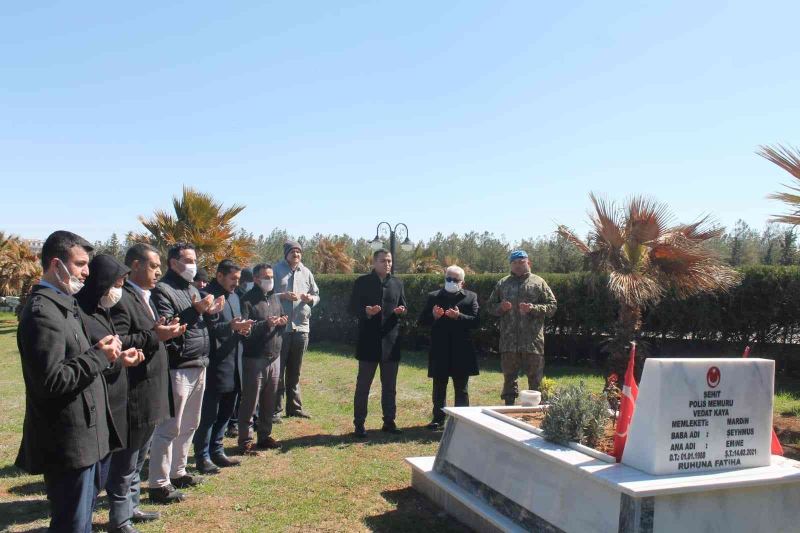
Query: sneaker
186	480
223	461
391	427
435	425
277	419
205	466
165	495
249	449
360	432
268	444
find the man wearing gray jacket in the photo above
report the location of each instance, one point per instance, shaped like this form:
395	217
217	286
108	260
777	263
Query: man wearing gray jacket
298	292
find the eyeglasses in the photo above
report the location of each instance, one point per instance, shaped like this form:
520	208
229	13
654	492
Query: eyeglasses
452	280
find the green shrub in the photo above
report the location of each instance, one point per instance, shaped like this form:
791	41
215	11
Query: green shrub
547	387
575	415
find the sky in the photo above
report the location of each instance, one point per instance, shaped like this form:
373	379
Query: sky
329	117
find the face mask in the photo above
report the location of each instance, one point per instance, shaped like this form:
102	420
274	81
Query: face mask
266	284
451	286
73	283
111	298
248	285
189	272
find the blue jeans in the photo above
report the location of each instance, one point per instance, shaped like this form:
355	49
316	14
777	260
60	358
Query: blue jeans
124	485
72	496
217	410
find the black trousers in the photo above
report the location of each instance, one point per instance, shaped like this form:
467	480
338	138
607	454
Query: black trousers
460	386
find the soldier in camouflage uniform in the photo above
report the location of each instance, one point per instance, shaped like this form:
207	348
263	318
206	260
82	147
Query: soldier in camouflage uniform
522	301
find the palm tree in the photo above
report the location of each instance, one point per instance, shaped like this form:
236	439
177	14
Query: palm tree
423	261
644	256
789	160
203	222
332	258
19	266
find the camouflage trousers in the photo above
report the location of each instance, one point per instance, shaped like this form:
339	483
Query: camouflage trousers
511	363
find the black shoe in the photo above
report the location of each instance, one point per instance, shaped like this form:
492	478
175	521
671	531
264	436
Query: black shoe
204	466
391	427
435	425
223	461
168	494
510	401
360	432
186	481
127	528
300	414
232	431
145	516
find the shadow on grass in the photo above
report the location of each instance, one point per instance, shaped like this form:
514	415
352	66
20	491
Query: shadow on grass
33	488
418	434
8	330
413	512
23	512
11	470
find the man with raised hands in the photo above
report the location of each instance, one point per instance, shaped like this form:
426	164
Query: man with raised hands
176	296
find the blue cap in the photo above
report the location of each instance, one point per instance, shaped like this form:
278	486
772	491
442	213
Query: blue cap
517	254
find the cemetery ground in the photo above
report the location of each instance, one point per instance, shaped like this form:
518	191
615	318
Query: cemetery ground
320	479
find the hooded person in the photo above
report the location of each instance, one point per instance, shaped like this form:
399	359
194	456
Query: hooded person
101	291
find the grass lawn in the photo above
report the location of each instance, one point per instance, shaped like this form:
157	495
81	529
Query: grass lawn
319	480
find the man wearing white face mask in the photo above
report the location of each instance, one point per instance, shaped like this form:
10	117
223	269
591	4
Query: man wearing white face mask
175	296
68	429
261	360
452	314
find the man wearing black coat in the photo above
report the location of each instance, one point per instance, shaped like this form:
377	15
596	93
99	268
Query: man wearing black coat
176	296
223	379
67	429
452	313
378	301
136	322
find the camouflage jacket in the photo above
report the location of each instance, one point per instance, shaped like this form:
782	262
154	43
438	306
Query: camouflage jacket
522	332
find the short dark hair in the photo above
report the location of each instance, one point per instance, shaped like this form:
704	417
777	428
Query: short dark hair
379	252
260	268
175	250
58	245
139	252
226	266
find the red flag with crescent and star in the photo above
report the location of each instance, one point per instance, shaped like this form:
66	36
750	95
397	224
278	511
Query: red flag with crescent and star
775	445
630	391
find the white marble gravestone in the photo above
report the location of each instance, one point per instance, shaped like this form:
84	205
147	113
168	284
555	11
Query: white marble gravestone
702	415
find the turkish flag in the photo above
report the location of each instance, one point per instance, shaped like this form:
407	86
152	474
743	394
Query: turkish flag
775	445
630	391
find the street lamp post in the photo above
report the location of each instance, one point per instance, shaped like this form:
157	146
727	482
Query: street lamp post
399	232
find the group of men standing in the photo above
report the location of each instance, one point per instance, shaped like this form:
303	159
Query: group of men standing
120	362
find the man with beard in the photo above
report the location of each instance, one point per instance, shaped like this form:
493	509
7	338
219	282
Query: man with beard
522	301
226	330
67	429
137	323
176	296
378	301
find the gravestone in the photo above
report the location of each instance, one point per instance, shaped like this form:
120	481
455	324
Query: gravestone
702	415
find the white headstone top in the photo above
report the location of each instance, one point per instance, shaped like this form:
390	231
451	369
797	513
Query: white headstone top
700	415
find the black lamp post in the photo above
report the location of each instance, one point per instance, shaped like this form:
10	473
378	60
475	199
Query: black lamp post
399	232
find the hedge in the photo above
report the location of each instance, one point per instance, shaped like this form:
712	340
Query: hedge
764	309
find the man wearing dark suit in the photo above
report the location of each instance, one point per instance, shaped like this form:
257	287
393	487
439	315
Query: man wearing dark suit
223	379
68	428
138	326
452	314
378	301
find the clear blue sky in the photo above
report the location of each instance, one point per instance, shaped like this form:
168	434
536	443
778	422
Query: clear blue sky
449	116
